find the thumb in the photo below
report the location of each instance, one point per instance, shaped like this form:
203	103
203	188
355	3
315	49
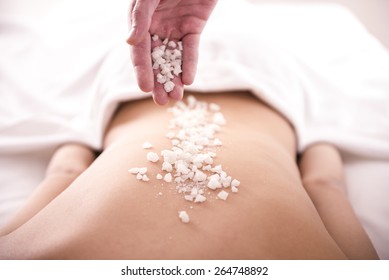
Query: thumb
139	19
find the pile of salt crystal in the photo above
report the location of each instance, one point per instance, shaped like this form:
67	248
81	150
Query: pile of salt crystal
167	58
190	162
140	173
194	142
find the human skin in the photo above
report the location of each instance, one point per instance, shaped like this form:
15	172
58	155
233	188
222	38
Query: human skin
106	213
324	180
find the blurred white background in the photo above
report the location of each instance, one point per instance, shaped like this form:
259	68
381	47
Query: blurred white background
373	13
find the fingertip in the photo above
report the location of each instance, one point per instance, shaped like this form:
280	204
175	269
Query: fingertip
190	58
160	98
145	87
177	93
188	78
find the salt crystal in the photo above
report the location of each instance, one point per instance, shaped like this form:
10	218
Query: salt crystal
139	176
212	154
156	66
145	178
217	169
178	180
180	45
169	156
214	177
217	142
226	182
161	78
194	192
219	119
191	175
167	166
181	168
160	60
142	170
169	86
170	135
153	157
191	101
208	159
183	216
168	178
159	176
207	167
199	176
222	195
213	184
155	37
172	44
134	170
177	70
177	53
169	77
235	183
200	198
147	145
214	107
234	189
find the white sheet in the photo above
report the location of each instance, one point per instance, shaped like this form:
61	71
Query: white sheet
62	74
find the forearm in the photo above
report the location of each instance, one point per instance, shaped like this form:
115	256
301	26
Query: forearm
68	162
47	190
340	220
323	178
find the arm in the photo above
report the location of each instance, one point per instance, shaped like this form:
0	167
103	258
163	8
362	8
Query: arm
67	163
323	178
174	19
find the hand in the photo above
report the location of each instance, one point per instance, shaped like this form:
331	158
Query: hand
178	20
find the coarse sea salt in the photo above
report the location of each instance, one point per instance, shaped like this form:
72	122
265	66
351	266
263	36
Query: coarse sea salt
147	145
142	170
140	173
190	162
235	183
222	195
183	216
168	178
167	58
153	157
134	170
